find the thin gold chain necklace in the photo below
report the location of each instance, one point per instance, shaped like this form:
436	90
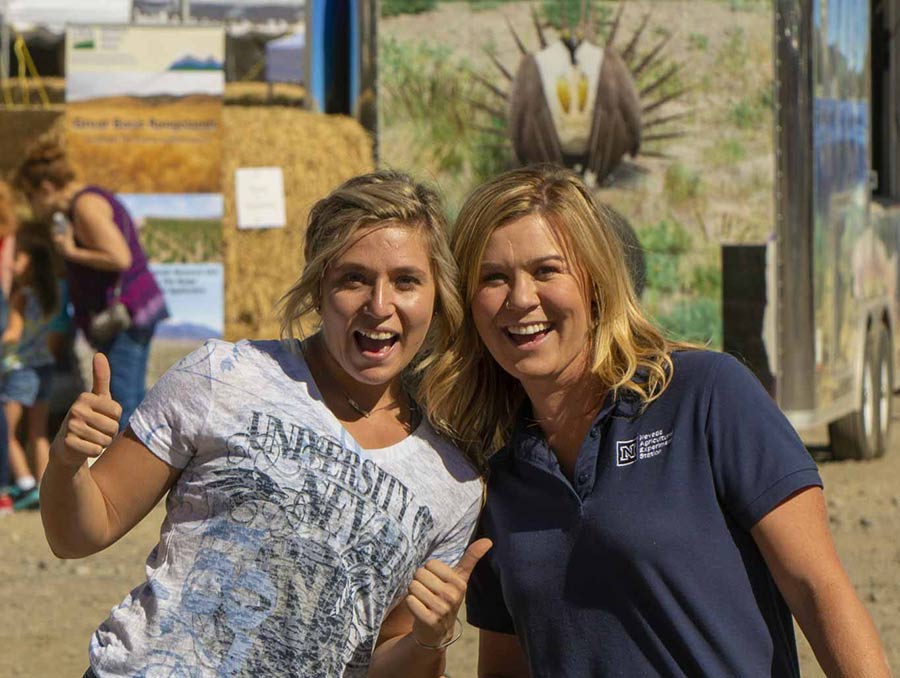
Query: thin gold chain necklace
413	407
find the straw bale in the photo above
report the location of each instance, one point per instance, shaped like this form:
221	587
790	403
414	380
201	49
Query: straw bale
19	127
316	153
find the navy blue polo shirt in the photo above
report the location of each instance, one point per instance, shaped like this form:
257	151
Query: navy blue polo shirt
643	564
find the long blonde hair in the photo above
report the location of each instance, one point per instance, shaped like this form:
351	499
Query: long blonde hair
470	397
334	224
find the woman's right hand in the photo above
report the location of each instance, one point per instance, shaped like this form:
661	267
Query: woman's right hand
92	422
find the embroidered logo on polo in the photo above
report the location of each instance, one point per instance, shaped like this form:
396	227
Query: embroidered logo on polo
645	446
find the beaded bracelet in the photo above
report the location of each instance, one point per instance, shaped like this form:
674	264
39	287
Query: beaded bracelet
447	643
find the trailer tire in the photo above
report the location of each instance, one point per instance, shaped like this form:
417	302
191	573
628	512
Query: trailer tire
864	434
884	384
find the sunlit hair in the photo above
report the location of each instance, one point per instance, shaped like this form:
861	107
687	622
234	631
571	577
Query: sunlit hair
45	160
473	398
335	223
8	219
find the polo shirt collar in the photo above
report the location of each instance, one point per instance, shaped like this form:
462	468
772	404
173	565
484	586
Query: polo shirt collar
528	443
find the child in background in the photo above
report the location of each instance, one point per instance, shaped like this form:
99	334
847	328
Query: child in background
27	361
8	225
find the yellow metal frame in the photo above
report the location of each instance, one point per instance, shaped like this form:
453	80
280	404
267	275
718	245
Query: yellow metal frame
26	66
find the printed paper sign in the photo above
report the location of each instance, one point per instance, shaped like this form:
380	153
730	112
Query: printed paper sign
260	197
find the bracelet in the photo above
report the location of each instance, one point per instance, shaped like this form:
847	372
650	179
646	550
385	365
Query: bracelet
446	643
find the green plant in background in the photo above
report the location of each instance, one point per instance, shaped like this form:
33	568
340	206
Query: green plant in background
482	5
429	91
553	12
734	53
395	7
728	152
706	280
684	298
664	244
747	113
695	319
681	183
698	41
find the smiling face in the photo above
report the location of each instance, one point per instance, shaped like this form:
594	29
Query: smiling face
530	307
377	301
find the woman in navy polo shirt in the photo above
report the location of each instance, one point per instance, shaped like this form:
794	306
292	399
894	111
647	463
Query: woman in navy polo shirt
652	511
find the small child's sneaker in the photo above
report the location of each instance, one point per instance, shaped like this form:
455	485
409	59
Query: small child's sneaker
28	500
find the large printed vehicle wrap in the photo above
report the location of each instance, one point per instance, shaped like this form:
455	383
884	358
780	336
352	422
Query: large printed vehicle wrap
751	147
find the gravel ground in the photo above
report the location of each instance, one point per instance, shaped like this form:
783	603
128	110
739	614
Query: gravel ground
50	607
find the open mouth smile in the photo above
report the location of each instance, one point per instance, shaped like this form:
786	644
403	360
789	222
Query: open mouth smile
375	342
528	334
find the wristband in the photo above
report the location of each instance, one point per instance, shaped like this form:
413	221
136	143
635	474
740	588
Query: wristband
446	643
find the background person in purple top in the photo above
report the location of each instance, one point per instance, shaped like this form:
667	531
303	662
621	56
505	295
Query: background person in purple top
652	512
104	262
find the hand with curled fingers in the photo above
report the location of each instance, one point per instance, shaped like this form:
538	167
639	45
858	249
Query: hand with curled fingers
436	593
92	422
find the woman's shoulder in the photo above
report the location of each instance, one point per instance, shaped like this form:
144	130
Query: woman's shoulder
710	372
702	364
248	353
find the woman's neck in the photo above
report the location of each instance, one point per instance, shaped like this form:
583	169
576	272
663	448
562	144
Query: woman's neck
336	385
69	191
565	411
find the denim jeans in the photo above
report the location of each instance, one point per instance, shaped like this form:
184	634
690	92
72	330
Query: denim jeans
127	353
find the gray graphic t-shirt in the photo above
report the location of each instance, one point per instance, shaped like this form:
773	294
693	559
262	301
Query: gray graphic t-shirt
285	544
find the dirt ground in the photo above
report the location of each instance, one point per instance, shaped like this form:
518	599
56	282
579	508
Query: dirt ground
51	607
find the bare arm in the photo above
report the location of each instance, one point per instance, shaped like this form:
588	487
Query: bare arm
500	655
15	322
397	654
797	546
427	615
85	509
102	244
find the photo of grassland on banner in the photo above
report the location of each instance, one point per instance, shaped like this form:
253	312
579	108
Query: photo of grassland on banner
144	118
144	106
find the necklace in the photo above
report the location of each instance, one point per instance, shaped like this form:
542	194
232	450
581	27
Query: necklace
366	413
362	410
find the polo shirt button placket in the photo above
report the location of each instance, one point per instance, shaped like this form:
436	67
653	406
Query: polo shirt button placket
582	478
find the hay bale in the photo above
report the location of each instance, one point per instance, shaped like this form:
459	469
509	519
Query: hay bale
316	153
19	127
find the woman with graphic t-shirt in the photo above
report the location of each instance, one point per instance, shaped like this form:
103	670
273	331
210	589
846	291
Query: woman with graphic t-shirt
652	512
316	525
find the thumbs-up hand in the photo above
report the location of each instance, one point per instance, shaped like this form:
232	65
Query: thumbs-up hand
92	421
436	593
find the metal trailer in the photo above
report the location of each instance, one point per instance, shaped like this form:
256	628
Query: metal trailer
815	311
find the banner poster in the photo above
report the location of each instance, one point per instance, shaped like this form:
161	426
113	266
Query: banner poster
144	118
144	106
182	237
664	109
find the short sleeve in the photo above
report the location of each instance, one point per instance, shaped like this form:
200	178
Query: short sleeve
485	607
758	460
451	547
170	419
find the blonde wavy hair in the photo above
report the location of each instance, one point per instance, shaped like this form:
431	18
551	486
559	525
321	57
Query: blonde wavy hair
335	222
471	397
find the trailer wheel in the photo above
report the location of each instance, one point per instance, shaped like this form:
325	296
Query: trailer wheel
864	434
885	387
